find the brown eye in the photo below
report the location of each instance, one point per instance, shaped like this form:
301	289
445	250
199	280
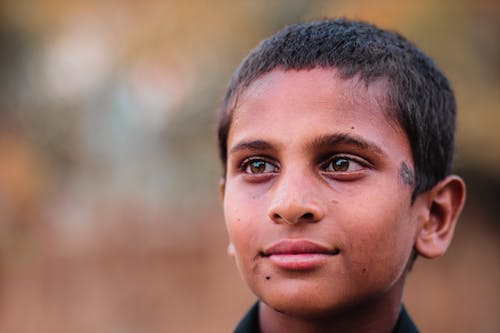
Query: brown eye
259	167
342	164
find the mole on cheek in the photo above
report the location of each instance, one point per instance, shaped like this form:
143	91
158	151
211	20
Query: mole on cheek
268	277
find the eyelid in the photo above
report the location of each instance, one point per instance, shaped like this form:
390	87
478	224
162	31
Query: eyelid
326	160
244	164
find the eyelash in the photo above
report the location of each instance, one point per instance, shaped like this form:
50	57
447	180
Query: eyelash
342	157
247	164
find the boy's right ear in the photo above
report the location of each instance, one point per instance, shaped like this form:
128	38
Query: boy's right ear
222	187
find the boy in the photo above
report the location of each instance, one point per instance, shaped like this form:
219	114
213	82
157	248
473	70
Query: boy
336	139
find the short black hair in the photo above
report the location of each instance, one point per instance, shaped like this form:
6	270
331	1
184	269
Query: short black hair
420	97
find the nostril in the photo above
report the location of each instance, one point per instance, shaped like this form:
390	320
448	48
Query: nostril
295	217
308	216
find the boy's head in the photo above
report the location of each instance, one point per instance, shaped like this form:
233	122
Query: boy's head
420	98
336	139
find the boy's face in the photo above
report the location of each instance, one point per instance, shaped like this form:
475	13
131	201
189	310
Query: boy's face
317	197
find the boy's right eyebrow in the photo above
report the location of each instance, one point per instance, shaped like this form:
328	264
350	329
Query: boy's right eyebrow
252	145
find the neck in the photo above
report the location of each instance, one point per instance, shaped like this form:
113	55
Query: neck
375	316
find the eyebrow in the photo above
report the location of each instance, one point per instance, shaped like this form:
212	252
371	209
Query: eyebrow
323	141
345	139
252	145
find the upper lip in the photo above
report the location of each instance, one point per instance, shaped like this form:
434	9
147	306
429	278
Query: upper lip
298	246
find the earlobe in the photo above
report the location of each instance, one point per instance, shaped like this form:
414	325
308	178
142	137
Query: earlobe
445	203
222	188
230	249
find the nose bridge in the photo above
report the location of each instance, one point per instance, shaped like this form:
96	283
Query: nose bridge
295	198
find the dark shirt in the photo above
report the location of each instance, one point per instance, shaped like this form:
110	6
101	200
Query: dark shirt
250	323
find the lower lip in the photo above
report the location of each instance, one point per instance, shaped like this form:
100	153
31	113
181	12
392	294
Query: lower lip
301	261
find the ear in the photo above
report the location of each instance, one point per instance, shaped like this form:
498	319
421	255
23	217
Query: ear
230	249
444	204
222	191
222	188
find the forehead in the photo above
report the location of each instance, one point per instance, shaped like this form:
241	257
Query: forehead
327	86
289	106
313	90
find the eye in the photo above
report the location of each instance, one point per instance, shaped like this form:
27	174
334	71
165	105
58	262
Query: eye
342	164
258	166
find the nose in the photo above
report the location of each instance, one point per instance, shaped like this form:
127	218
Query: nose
295	199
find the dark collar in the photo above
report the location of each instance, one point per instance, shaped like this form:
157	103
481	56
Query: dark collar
250	323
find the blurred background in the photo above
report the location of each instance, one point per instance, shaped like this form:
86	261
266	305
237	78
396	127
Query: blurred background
110	219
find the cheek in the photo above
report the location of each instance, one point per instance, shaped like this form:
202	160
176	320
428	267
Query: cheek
243	233
381	238
242	223
235	214
244	207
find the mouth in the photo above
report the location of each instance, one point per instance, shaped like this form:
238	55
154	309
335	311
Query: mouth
299	254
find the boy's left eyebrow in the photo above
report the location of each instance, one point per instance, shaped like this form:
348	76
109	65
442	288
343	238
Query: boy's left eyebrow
345	139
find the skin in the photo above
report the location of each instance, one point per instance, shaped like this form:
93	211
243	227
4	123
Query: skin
315	157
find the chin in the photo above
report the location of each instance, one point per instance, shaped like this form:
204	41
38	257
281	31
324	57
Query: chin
317	301
307	303
309	309
305	311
